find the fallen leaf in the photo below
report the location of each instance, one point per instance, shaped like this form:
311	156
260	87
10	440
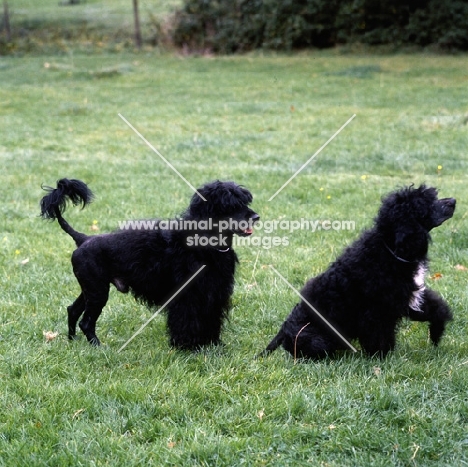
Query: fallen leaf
260	414
460	267
49	335
78	413
25	261
436	276
171	444
416	449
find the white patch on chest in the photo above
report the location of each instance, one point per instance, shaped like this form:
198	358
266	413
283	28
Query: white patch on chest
417	299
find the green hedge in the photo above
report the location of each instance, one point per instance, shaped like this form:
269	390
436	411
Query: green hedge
228	26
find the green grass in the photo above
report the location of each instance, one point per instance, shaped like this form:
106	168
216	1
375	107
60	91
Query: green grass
255	119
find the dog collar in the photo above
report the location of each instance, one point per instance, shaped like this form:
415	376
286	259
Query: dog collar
403	260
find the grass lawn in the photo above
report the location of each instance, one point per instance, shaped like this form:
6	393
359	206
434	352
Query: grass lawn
254	119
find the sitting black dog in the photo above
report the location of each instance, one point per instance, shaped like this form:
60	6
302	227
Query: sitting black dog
154	263
376	282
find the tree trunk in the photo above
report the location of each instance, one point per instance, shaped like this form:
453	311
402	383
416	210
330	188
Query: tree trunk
138	40
6	21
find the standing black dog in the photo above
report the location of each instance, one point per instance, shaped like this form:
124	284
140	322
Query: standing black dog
153	263
376	282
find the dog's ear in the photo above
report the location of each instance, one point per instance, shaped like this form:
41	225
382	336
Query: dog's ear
233	198
199	207
244	195
208	200
222	198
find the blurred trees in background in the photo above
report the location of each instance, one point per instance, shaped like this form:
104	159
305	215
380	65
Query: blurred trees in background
228	26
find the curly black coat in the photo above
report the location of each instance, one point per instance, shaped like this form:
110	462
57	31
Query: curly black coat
377	281
154	263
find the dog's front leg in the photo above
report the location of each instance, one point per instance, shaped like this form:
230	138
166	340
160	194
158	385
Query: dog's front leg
191	328
377	338
436	311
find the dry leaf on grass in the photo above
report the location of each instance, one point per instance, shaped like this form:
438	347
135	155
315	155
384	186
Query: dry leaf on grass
49	335
78	413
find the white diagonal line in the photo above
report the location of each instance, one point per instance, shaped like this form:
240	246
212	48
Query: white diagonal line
162	157
316	154
316	312
161	309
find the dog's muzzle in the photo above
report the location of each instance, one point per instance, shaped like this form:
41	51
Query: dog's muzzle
446	208
249	231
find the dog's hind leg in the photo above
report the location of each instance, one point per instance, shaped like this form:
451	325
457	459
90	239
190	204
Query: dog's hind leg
75	310
434	310
95	299
302	338
274	344
310	342
89	268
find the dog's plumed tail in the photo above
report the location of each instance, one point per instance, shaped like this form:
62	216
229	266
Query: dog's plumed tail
54	203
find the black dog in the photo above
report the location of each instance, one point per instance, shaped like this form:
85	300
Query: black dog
154	263
376	282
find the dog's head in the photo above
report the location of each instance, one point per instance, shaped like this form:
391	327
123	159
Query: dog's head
227	205
408	215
